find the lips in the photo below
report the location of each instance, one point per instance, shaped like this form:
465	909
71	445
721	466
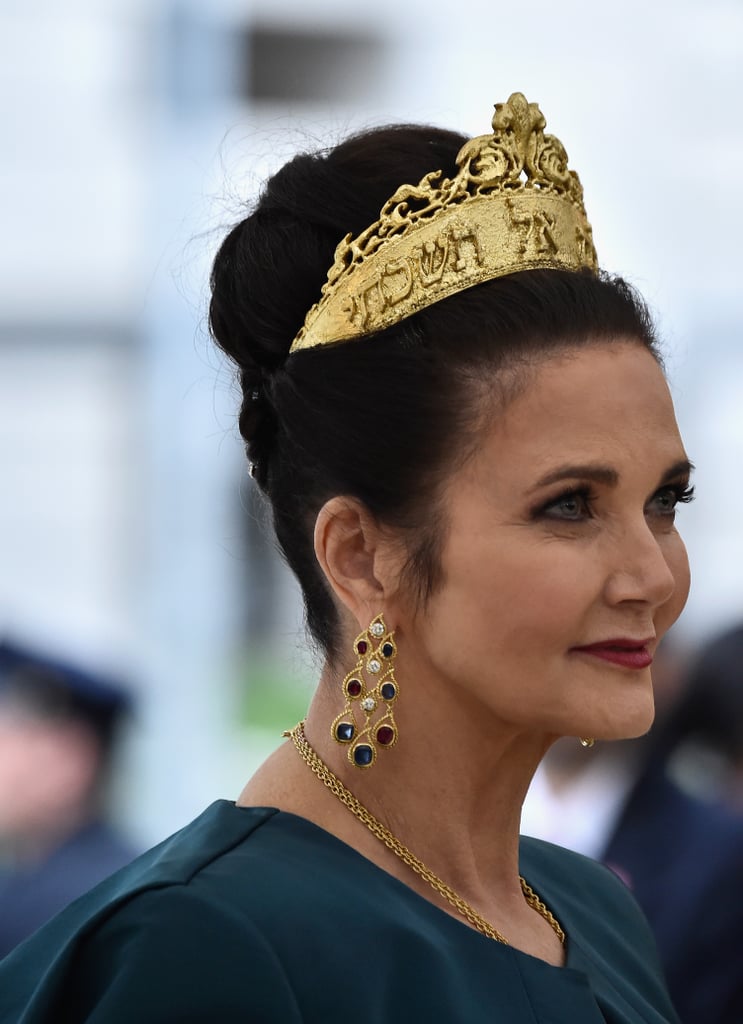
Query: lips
622	651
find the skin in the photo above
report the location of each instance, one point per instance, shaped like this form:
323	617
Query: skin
489	672
48	772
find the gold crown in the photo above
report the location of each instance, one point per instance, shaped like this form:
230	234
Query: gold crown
513	205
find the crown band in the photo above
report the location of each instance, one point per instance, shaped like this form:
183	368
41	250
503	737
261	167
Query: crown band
513	205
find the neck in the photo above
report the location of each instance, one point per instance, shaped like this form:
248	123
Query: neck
451	789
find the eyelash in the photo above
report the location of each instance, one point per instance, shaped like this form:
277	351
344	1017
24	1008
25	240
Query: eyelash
681	494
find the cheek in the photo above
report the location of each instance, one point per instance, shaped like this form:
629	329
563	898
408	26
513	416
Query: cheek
521	596
678	562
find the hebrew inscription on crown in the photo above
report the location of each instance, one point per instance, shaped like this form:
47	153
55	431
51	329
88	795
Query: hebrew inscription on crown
513	205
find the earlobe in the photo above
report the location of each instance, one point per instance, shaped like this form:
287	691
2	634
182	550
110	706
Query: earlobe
347	546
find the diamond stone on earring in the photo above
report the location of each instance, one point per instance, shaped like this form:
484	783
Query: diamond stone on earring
368	703
376	629
374	665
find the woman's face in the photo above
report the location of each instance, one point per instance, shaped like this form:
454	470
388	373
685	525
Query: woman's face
562	566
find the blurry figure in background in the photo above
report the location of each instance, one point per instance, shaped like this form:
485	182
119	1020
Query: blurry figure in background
57	731
704	734
658	812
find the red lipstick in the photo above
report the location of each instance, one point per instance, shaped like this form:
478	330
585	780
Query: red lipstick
621	651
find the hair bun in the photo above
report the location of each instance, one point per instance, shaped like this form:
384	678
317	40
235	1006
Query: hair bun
271	267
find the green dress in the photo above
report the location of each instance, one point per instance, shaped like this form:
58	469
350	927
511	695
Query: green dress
256	916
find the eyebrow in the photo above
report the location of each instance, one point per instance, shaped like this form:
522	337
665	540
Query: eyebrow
606	474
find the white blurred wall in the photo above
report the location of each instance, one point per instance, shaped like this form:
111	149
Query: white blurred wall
125	147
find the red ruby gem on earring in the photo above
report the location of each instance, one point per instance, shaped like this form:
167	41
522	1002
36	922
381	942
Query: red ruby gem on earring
361	646
353	687
385	735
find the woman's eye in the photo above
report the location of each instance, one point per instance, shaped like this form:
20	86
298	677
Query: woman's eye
665	500
571	507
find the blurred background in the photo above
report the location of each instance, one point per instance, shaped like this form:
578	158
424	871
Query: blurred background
133	133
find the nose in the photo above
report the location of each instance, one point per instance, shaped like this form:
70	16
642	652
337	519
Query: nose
641	572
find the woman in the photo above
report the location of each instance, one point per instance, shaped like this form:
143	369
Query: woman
473	465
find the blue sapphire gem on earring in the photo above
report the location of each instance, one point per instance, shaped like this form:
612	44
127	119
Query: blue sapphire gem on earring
388	649
344	732
363	755
388	691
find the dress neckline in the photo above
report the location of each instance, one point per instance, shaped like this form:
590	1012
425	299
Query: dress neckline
441	918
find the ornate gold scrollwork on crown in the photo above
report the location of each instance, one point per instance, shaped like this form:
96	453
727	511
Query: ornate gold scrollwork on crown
513	205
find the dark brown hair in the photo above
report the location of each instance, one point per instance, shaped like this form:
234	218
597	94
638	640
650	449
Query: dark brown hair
384	418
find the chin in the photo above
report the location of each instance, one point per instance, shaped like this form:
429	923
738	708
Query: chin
625	720
629	726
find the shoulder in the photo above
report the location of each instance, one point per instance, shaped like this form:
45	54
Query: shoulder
157	939
173	953
580	885
598	912
577	883
568	866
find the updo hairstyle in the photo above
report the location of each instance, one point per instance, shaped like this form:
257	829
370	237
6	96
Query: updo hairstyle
386	418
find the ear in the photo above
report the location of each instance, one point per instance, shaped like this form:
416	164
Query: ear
359	559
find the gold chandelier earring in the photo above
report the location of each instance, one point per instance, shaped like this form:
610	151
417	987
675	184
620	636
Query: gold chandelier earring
370	689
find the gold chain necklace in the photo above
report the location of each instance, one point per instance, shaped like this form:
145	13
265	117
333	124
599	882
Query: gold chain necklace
334	784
